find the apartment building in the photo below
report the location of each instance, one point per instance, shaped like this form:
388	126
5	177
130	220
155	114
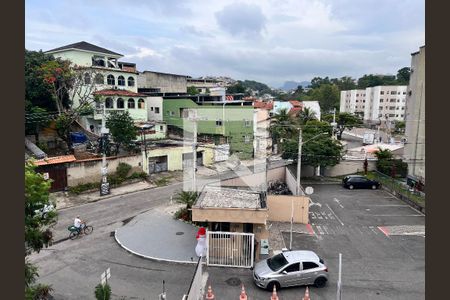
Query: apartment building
376	103
353	101
414	153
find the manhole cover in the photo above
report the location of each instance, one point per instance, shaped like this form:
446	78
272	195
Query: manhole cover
233	281
179	233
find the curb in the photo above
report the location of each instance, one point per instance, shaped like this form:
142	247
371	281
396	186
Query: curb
319	183
407	201
150	257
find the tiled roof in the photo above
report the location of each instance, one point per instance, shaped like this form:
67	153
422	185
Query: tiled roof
55	160
295	110
112	92
85	46
261	104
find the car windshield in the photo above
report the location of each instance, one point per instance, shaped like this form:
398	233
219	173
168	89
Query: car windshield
277	262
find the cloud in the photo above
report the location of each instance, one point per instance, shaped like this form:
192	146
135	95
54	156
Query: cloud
241	19
143	52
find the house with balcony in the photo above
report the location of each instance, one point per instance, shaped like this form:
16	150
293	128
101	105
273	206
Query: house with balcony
103	76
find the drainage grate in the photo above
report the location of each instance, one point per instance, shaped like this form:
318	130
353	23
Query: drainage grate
179	233
112	233
127	220
233	281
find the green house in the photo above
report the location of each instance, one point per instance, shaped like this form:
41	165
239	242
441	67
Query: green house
223	122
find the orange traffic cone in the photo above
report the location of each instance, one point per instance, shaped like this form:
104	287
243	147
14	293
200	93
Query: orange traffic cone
274	294
209	295
243	295
306	297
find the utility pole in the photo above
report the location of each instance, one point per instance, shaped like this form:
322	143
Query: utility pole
299	160
339	283
334	123
194	157
104	187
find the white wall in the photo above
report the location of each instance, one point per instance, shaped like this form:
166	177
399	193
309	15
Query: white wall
155	102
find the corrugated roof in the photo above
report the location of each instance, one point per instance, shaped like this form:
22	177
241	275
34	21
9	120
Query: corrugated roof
55	160
84	46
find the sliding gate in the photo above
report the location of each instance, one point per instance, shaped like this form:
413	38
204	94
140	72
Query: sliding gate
230	249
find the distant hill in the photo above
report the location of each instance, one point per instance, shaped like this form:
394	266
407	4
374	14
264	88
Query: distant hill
289	85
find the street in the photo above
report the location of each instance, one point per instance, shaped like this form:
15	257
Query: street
381	240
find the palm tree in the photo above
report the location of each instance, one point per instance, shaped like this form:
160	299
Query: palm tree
283	126
187	198
307	114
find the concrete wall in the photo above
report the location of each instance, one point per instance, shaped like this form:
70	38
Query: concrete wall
346	167
167	83
252	180
89	170
280	208
155	108
232	215
414	153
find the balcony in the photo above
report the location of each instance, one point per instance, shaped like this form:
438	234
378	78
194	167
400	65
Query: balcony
136	114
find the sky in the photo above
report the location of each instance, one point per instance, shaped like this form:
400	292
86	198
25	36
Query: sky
271	41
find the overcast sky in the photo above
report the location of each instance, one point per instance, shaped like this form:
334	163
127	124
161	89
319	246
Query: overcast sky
271	41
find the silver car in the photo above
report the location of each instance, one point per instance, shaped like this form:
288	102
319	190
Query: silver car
290	268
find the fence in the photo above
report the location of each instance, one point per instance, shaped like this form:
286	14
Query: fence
400	190
195	291
230	249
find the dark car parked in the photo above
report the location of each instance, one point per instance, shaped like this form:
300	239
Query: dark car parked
359	182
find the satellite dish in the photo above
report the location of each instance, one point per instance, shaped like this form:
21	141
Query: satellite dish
309	190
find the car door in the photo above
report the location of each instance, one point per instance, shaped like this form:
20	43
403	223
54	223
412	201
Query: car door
366	183
309	272
290	275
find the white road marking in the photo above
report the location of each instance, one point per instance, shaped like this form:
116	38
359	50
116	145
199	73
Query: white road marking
373	229
325	229
335	215
324	215
338	202
320	229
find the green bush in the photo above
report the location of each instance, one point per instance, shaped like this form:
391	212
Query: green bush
84	187
103	292
138	175
122	170
183	214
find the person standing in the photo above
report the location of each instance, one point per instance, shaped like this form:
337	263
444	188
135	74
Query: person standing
200	249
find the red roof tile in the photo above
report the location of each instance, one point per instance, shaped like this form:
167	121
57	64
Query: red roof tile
111	92
262	104
55	160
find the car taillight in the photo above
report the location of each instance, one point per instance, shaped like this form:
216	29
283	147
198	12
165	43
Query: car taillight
326	269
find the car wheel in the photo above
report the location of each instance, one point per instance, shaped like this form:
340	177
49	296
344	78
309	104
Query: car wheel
273	284
374	187
320	282
351	187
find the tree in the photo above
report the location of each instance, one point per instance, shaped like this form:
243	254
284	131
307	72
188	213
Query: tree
192	90
36	118
386	164
37	227
344	83
403	76
306	115
188	198
237	88
399	127
317	150
122	129
344	121
283	126
375	80
317	82
102	292
328	96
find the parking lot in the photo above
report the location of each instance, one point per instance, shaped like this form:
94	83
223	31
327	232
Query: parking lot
382	241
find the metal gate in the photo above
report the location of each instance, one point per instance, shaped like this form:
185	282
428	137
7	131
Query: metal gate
230	249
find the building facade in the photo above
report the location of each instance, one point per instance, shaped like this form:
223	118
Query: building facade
158	82
374	104
104	76
414	153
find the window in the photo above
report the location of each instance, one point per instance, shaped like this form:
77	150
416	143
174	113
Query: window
356	100
401	116
161	128
121	80
246	139
382	92
391	107
156	110
219	123
357	95
398	93
87	78
120	103
392	100
396	116
398	100
109	103
381	100
309	265
99	79
364	101
380	108
404	93
293	268
247	123
171	113
393	92
220	226
141	103
380	115
98	61
131	103
151	108
403	108
391	115
130	81
111	80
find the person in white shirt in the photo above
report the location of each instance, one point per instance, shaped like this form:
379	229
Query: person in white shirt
78	223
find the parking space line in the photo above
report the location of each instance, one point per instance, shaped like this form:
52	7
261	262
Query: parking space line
335	215
373	230
324	215
320	229
384	230
325	229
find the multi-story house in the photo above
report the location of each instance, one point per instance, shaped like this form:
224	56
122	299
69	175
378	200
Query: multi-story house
374	104
224	122
114	82
414	153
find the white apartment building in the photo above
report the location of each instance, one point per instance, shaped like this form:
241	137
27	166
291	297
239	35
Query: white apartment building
353	101
376	103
